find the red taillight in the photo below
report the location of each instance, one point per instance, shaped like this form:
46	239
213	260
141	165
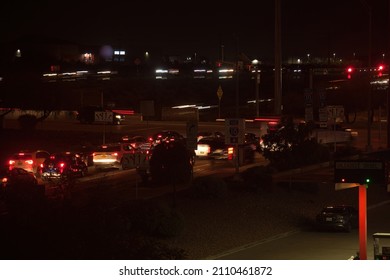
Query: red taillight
11	162
62	164
29	161
208	150
93	154
41	165
230	153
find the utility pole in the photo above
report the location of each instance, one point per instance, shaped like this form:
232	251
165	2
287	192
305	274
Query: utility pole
369	94
237	80
388	85
278	60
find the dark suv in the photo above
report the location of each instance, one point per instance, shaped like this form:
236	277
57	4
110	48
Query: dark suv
338	217
63	166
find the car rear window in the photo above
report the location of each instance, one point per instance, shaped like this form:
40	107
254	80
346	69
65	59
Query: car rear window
108	148
22	156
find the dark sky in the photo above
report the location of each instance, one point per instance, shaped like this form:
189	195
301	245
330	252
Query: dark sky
170	27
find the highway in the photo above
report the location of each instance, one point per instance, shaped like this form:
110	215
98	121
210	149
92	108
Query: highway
118	187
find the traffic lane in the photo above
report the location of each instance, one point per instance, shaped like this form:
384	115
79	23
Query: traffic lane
297	245
120	186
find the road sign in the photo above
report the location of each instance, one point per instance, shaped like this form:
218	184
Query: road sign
335	112
235	131
219	92
138	159
104	116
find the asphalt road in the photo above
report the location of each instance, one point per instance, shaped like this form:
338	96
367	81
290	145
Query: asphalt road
315	245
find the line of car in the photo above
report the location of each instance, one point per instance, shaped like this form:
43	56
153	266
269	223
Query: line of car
26	167
45	167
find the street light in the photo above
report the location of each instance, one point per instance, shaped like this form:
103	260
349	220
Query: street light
369	101
256	70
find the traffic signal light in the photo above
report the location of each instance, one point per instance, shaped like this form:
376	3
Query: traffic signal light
380	70
350	70
354	178
363	172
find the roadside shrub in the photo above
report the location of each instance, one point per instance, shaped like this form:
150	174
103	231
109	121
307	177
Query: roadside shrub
208	187
27	121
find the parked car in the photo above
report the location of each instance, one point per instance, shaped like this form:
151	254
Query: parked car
86	114
28	160
63	166
338	217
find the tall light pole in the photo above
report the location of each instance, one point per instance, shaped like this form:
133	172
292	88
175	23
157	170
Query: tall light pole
369	97
256	69
388	85
237	80
278	60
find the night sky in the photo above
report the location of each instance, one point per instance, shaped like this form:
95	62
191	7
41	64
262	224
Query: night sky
183	28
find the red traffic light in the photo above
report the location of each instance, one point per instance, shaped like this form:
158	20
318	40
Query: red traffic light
380	69
350	70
